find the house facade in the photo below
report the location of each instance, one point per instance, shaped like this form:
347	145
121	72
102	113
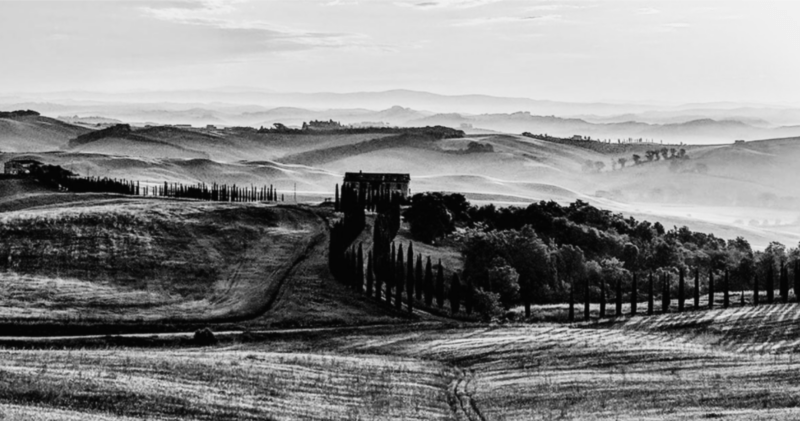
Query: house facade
391	182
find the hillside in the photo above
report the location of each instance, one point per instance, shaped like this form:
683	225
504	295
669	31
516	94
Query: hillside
34	133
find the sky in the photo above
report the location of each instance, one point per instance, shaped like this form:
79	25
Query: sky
604	50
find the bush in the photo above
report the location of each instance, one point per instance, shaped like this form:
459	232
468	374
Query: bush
486	304
204	337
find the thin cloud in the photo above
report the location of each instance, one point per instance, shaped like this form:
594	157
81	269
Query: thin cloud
442	4
648	11
556	6
508	19
264	35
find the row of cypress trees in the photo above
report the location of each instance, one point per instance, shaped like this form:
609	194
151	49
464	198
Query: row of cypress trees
404	279
99	185
217	192
666	300
214	192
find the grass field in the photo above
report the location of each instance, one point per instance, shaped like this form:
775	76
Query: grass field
657	367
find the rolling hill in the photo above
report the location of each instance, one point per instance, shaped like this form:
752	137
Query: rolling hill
35	133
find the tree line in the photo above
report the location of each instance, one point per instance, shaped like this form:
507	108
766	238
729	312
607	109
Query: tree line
721	286
538	254
65	180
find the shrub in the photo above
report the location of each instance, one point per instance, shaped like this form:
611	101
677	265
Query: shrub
204	337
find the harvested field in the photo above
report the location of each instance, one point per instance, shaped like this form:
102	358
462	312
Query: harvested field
217	384
146	260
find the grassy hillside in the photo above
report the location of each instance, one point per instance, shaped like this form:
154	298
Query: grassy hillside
35	134
146	260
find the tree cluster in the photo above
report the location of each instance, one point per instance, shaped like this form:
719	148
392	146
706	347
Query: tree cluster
549	253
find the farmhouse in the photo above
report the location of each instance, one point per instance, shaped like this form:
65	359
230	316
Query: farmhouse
20	166
323	125
392	182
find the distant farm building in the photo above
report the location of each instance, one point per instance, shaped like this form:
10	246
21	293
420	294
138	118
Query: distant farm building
738	142
395	183
20	166
323	125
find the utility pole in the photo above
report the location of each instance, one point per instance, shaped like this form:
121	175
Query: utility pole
295	192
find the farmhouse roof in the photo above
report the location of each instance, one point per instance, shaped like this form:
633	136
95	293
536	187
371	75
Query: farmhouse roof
377	177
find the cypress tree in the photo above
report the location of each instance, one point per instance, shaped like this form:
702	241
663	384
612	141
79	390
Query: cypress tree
390	274
619	298
336	204
428	283
726	299
400	279
586	300
710	289
770	285
380	274
467	296
419	281
681	292
419	286
440	285
455	292
784	284
696	288
602	298
796	281
370	278
359	285
410	279
665	300
571	316
755	290
650	295
634	295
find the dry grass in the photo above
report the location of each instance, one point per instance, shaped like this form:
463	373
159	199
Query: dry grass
146	260
660	370
216	384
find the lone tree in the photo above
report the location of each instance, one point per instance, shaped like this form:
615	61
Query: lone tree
770	285
650	295
440	285
726	299
455	292
336	206
681	291
602	298
410	278
428	283
634	295
419	287
784	284
797	279
710	288
755	290
586	300
571	316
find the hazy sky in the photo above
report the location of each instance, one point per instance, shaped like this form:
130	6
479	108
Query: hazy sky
677	51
